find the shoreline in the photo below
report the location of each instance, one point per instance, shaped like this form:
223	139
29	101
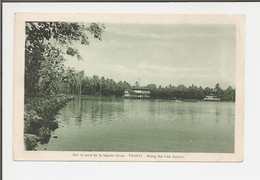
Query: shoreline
41	125
120	97
39	118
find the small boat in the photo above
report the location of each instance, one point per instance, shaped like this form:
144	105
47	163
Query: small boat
211	98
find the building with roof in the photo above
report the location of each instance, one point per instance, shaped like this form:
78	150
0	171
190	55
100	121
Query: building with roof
137	93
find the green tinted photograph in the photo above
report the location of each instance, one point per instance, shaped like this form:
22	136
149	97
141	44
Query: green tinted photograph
129	87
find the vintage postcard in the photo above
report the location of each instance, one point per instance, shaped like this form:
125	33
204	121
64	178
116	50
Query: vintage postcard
129	87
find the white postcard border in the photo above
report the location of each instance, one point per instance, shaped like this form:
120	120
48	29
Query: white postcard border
20	154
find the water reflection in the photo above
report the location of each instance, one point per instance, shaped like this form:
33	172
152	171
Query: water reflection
78	110
114	124
152	109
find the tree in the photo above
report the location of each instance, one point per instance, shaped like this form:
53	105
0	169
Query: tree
45	44
151	86
218	89
80	77
229	94
208	91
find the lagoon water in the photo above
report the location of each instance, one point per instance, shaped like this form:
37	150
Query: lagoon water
114	124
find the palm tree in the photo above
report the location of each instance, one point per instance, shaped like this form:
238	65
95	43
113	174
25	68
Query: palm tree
80	77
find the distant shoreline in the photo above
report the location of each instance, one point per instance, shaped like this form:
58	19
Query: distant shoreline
118	97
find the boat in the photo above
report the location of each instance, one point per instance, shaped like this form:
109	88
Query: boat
211	98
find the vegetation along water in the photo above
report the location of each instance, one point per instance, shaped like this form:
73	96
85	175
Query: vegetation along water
52	88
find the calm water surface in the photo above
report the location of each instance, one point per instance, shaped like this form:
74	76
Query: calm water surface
111	124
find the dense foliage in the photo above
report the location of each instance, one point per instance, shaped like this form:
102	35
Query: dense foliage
191	92
45	44
46	76
78	83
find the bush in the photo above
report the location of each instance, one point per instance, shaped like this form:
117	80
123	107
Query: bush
39	118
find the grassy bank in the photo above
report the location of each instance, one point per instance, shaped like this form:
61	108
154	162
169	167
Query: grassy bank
39	118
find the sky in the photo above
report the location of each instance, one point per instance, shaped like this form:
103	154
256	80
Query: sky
162	54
